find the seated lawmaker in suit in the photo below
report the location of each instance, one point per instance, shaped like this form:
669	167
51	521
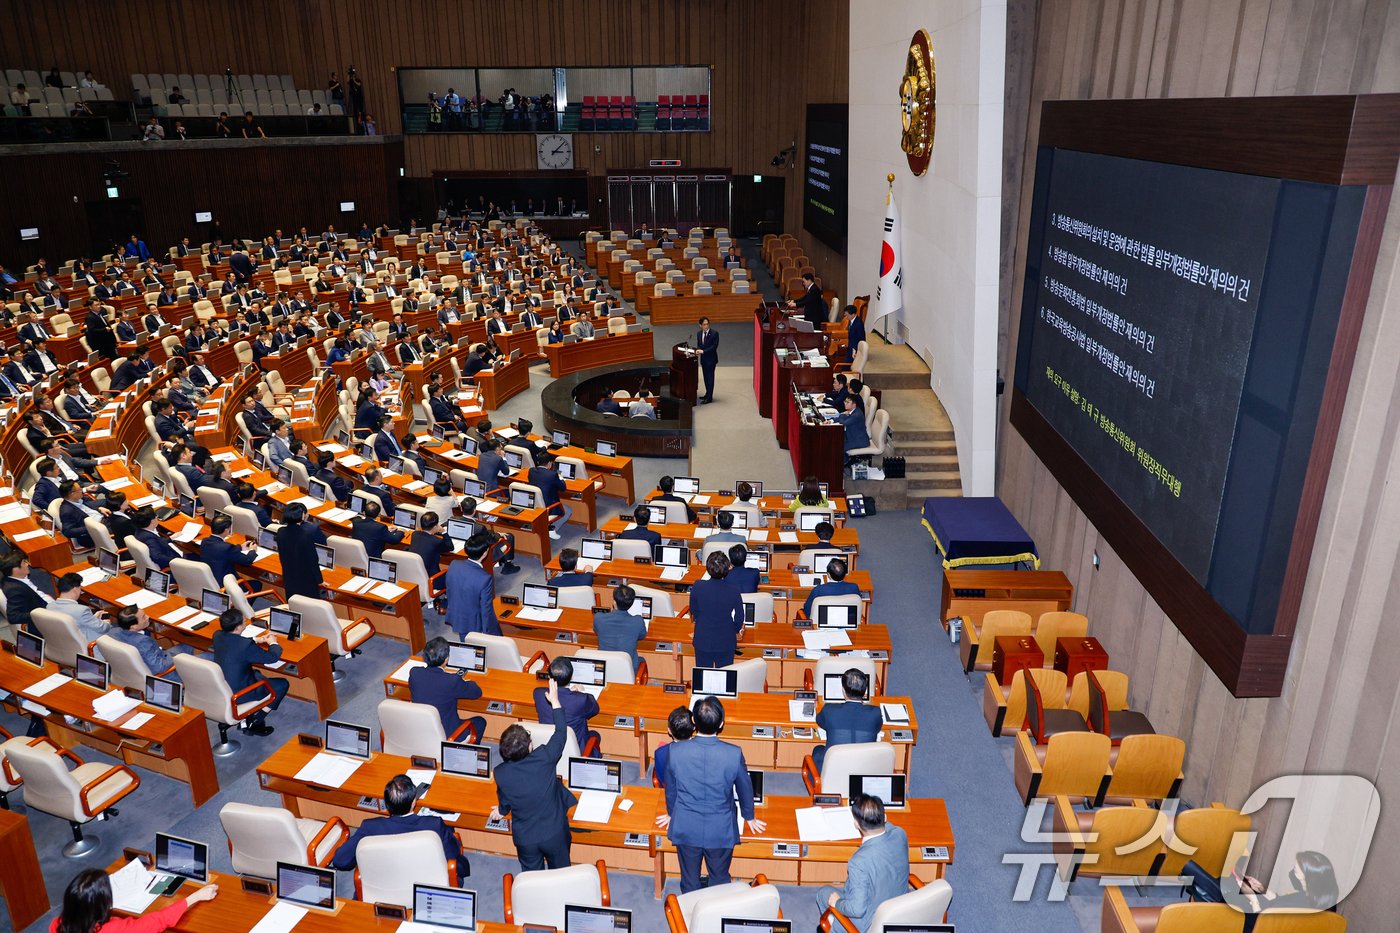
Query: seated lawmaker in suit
642	515
374	486
878	870
745	578
325	472
429	544
246	497
374	534
569	574
680	725
441	689
386	445
74	511
620	630
237	656
857	436
667	485
836	585
147	532
851	722
399	796
22	595
221	556
579	707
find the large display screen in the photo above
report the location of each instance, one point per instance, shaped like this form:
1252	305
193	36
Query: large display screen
824	168
1176	331
1144	314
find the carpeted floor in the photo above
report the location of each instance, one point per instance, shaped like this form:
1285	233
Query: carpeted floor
956	758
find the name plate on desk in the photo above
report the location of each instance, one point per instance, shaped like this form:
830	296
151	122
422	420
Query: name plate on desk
804	694
256	886
390	912
934	853
498	706
763	732
310	741
826	800
788	850
801	623
673	688
639	840
901	735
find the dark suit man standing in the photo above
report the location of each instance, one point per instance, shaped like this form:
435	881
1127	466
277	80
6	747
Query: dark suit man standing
296	548
850	722
855	332
812	303
703	778
878	870
441	690
236	657
399	796
374	534
707	341
471	591
578	707
529	792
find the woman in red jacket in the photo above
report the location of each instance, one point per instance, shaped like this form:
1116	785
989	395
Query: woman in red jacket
87	908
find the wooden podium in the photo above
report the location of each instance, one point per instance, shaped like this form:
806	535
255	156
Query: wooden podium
768	336
685	373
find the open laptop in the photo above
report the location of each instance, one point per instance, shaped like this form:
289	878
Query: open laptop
590	675
829	616
168	695
347	738
888	787
579	919
466	759
714	682
593	552
306	886
463	657
441	910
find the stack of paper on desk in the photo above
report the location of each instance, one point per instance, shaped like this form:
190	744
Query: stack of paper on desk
594	806
328	770
825	638
113	706
129	887
142	598
673	573
51	682
826	824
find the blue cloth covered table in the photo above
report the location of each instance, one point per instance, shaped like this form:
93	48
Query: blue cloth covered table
977	531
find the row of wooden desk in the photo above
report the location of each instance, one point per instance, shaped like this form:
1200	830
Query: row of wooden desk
629	841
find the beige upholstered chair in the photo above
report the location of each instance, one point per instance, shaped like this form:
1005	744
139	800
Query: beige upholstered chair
260	837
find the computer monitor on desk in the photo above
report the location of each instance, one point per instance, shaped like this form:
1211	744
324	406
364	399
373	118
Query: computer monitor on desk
183	857
687	485
671	555
306	886
838	616
347	738
444	908
719	682
465	759
464	657
579	919
606	449
888	787
595	774
539	596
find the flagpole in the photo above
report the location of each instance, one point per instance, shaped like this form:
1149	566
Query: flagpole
889	196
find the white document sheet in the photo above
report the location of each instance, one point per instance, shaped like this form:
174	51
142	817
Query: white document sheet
594	806
826	824
328	770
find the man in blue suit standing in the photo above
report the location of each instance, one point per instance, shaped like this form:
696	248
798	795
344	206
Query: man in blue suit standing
707	341
471	591
399	795
850	722
703	776
855	332
878	871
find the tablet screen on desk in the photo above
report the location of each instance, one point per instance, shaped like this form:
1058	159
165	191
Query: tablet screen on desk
889	788
448	908
464	759
741	517
757	560
88	670
183	857
463	657
214	602
346	738
561	438
167	694
595	774
589	672
309	887
107	561
808	521
833	691
829	616
325	556
671	555
537	596
285	622
606	449
29	647
385	571
687	485
579	919
595	549
567	470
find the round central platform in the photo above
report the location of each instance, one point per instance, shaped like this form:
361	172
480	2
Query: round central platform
571	404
